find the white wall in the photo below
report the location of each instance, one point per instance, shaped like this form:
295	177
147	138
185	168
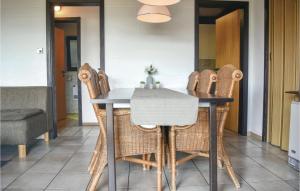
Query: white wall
23	30
256	67
131	45
90	47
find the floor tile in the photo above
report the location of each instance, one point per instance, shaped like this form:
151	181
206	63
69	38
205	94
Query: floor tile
243	144
23	189
17	166
31	181
243	162
277	166
294	183
47	166
65	149
7	178
187	165
254	152
122	180
223	177
201	163
221	187
94	132
276	151
255	174
78	163
70	131
70	182
86	148
188	177
145	179
70	140
272	186
148	189
83	132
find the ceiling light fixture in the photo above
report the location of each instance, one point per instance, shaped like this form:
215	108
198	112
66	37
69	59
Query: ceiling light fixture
154	14
57	8
159	2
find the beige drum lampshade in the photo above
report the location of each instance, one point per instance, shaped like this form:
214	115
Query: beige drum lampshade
154	14
159	2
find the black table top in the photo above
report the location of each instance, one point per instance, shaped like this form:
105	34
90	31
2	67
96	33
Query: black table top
123	95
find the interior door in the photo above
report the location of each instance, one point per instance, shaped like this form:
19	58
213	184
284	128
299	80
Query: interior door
228	43
283	68
60	74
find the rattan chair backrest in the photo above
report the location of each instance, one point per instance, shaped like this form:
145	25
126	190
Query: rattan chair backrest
206	79
227	76
193	81
90	78
103	81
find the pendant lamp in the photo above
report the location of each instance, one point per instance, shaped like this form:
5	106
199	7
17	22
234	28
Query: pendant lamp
154	14
159	2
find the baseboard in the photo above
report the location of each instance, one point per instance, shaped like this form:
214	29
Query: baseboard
89	124
254	135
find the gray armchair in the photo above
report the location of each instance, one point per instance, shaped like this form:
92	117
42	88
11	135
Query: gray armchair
25	115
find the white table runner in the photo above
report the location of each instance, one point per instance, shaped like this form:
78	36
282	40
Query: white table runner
163	107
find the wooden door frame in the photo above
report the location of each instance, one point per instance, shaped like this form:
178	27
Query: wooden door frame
266	74
50	22
232	5
77	21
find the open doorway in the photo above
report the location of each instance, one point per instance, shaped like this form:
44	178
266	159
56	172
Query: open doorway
67	62
221	30
86	45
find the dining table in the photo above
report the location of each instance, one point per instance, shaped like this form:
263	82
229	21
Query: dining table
121	96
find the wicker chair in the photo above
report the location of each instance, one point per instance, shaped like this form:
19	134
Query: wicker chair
103	81
193	81
194	139
205	80
130	140
103	88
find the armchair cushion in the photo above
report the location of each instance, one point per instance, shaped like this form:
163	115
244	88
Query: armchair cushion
18	114
21	132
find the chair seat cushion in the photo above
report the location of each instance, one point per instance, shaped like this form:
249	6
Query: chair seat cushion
122	105
148	126
18	114
201	104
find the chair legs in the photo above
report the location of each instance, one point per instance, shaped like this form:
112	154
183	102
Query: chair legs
91	167
99	161
222	161
172	148
230	170
159	159
146	157
99	164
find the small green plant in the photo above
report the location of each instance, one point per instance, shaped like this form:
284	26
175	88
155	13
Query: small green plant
151	70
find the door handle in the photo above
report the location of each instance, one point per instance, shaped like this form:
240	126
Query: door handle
63	72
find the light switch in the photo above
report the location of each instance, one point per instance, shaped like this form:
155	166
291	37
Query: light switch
40	51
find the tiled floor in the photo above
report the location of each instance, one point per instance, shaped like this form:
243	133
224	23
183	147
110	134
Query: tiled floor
62	165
